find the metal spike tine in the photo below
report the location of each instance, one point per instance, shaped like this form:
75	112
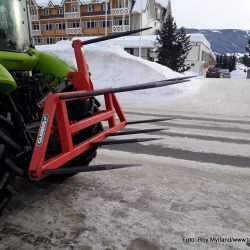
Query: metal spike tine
150	120
139	131
74	170
115	142
109	37
149	85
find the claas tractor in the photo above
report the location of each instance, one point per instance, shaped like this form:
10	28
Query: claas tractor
51	123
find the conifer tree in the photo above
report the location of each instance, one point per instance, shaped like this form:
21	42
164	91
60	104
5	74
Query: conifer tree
184	47
174	46
248	47
232	63
246	58
224	63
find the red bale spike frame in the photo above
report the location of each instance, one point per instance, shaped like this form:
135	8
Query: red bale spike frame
55	110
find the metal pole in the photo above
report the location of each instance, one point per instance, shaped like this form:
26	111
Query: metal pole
140	32
106	18
123	23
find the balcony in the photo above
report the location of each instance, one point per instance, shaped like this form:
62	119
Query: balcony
34	18
36	32
96	13
120	28
73	31
52	16
71	15
119	11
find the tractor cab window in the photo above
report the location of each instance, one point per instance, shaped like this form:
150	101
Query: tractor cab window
14	25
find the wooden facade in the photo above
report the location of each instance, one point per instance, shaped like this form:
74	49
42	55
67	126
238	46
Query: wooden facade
74	18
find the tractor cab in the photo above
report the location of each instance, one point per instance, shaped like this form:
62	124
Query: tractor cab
14	26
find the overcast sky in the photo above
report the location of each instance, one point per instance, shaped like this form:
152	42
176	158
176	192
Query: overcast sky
212	14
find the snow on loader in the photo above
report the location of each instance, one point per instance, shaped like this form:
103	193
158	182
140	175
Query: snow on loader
51	124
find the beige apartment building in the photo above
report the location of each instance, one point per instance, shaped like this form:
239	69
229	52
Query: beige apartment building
55	20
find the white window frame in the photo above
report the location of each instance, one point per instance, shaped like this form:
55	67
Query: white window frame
33	13
36	26
60	11
72	25
89	8
48	26
119	22
50	39
60	26
90	24
103	7
102	23
47	12
74	7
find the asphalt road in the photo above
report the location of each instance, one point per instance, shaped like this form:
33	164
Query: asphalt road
191	192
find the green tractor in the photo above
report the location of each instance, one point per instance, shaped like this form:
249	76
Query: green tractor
26	77
51	123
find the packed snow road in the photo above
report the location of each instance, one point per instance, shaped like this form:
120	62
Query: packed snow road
192	191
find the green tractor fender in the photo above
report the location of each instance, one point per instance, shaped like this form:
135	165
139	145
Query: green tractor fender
33	60
7	82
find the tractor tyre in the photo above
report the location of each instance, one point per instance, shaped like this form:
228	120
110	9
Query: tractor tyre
8	168
78	110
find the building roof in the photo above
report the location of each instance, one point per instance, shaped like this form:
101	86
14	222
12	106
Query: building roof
141	5
138	6
45	3
199	38
163	3
93	1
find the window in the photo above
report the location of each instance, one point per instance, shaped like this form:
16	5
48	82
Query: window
103	23
120	22
60	11
32	12
74	7
36	27
60	26
90	24
121	4
48	26
47	12
103	7
89	8
37	41
129	50
73	25
60	39
49	40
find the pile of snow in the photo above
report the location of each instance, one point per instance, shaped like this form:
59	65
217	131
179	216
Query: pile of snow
111	66
239	73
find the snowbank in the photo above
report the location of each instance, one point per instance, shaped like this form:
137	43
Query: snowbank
239	72
111	66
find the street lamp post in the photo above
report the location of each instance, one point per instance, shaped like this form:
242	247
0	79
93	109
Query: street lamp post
106	18
140	32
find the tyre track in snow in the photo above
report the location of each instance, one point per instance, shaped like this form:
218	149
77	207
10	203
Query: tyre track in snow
239	128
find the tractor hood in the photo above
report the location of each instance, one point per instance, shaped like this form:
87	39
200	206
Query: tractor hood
14	25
